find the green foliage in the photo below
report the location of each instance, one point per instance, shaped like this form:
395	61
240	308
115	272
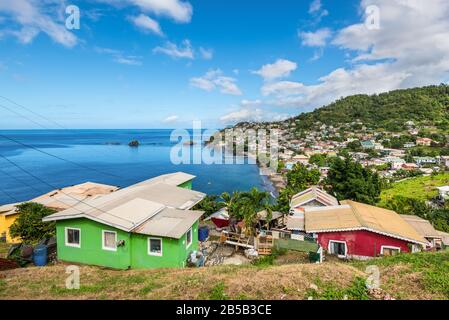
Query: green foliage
427	105
319	159
301	178
245	205
29	226
410	206
350	180
209	205
266	261
329	291
434	267
218	292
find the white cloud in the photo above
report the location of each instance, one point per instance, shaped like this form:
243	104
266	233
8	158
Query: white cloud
171	119
172	50
180	11
409	50
280	69
315	39
315	6
250	114
250	103
147	24
120	57
206	54
316	10
35	17
214	79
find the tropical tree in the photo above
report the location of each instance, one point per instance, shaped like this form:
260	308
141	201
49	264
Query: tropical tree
29	226
350	180
209	205
301	178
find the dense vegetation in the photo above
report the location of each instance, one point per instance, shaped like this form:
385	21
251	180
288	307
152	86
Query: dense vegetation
29	225
427	105
349	180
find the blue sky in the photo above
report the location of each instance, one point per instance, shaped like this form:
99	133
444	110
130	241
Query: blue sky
165	63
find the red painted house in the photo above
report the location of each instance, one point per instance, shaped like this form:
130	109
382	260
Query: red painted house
360	231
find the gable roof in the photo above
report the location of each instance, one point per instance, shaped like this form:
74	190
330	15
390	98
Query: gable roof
66	197
422	226
128	208
351	216
313	193
171	223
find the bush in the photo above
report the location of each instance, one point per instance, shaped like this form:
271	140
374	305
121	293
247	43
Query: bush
29	225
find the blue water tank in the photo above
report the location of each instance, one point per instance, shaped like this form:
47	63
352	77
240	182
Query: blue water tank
203	233
40	255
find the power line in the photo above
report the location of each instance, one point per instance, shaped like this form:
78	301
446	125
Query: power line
54	187
21	115
60	158
9	196
19	180
31	111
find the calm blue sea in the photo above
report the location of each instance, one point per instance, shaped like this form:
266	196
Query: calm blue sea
108	159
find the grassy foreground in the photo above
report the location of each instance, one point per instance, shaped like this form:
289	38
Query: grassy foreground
419	276
419	188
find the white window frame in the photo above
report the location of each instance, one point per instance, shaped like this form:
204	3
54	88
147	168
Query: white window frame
74	245
338	241
103	232
389	247
149	247
191	238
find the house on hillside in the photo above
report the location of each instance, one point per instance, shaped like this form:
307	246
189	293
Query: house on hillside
360	231
425	229
424	142
146	225
368	144
312	197
58	200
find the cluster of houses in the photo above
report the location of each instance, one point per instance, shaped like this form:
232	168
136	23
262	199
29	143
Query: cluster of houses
146	225
355	230
151	224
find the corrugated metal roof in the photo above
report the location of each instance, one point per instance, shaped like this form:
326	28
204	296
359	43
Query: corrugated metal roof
313	193
171	223
353	215
422	226
131	207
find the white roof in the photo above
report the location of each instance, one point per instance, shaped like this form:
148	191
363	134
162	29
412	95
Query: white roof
130	207
443	188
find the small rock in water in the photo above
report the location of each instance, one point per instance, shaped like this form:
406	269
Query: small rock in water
134	143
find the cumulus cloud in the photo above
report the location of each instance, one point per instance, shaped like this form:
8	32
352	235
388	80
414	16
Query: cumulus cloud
206	54
251	114
179	11
185	50
279	69
214	79
34	17
146	24
250	103
410	49
315	39
316	10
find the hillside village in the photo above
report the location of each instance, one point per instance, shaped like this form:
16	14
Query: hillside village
335	204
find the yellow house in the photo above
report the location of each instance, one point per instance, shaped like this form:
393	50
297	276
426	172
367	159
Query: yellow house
7	217
60	199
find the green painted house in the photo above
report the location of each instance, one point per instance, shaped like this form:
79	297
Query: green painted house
146	225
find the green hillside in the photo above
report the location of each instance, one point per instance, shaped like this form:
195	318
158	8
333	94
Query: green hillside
425	106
